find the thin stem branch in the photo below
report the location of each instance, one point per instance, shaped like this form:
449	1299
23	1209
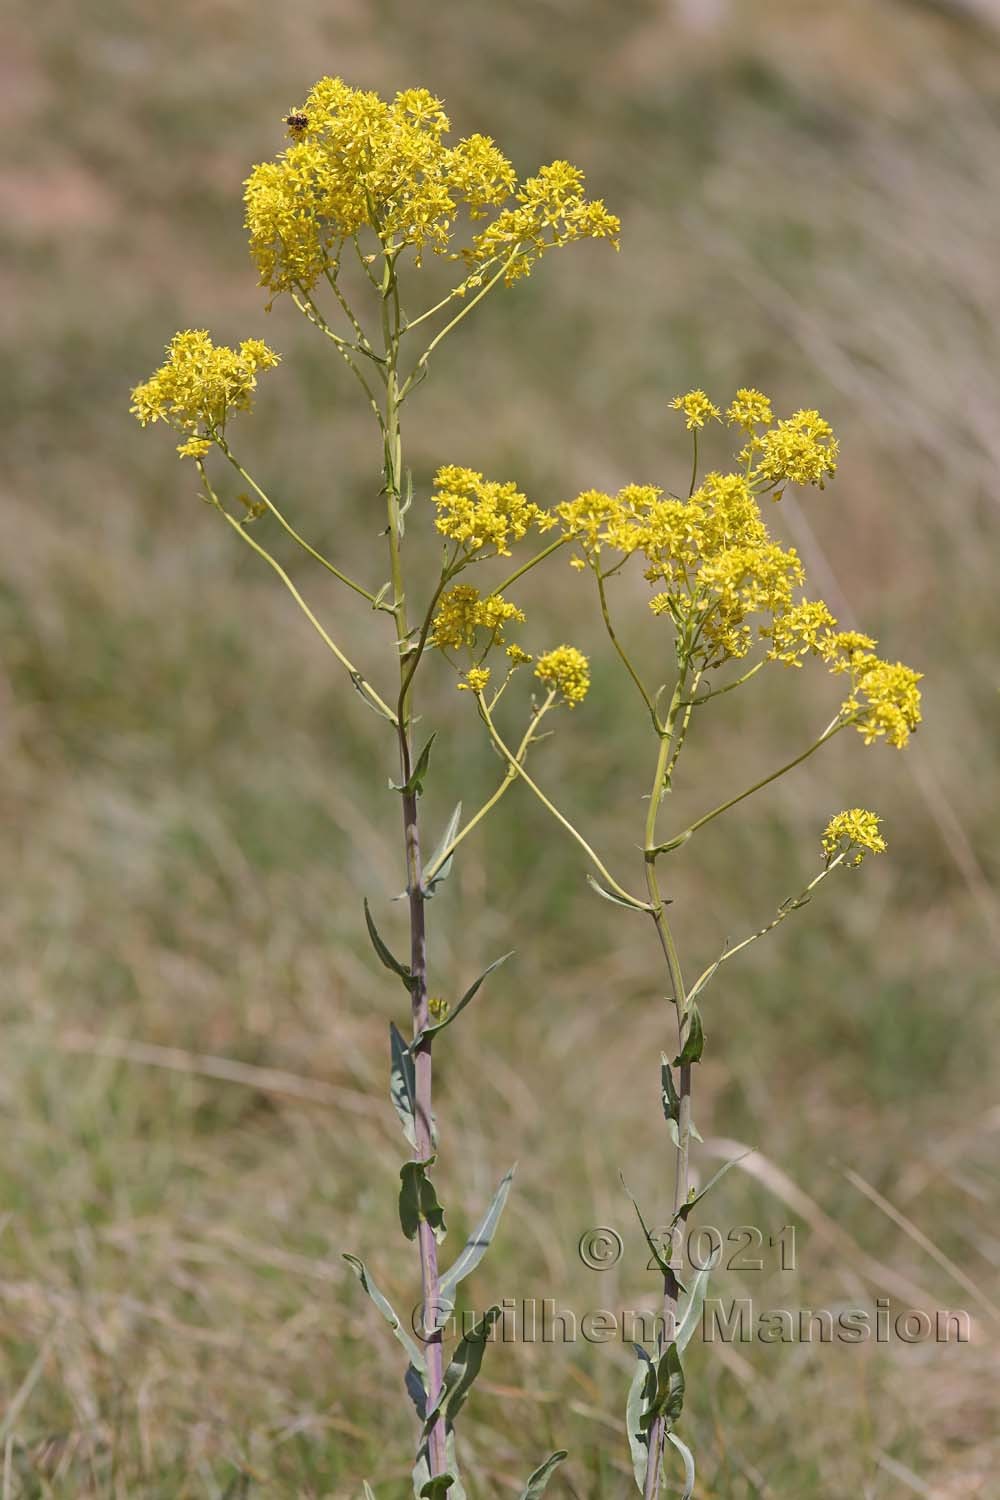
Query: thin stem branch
509	756
474	302
531	563
276	513
682	838
363	686
491	802
606	615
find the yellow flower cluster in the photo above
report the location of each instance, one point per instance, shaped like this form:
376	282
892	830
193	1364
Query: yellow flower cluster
463	611
749	409
884	700
199	384
358	161
480	512
803	628
567	670
800	450
475	681
853	833
697	409
552	211
719	574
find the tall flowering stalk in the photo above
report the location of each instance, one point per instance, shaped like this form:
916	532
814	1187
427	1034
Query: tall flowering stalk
732	600
375	184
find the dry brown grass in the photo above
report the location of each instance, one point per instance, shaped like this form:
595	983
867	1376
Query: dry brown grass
810	203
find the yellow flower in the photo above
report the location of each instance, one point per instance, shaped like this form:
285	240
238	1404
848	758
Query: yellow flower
480	512
854	834
749	409
519	657
199	385
552	211
358	161
567	670
798	631
462	611
476	679
697	408
194	447
799	450
884	701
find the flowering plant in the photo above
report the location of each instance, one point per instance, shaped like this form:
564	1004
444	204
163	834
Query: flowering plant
377	183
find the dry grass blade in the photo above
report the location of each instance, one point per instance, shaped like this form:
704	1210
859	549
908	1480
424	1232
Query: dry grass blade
919	1238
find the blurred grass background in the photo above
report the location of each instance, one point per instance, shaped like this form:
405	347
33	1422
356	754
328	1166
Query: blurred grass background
194	805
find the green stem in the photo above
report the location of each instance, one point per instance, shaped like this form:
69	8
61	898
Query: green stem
509	756
533	562
784	911
422	361
415	885
716	812
606	614
360	683
276	513
316	317
491	802
671	1286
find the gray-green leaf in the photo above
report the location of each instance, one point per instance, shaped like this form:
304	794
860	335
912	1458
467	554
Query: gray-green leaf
535	1486
668	1400
688	1457
618	900
403	1084
686	1208
414	784
442	874
696	1298
664	1265
436	1487
694	1040
639	1394
474	1248
418	1200
384	952
456	1010
462	1371
386	1309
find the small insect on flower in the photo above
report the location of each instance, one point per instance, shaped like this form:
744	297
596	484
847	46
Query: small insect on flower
297	122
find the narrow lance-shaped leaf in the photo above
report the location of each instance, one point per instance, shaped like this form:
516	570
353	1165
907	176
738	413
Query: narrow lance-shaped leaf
462	1371
657	1254
422	1468
386	1309
694	1040
672	1104
668	1401
418	1200
474	1248
688	1457
695	1302
414	784
442	874
686	1208
385	954
403	1084
535	1487
640	1393
618	900
456	1010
